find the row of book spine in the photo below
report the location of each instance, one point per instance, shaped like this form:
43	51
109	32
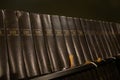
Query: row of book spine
33	44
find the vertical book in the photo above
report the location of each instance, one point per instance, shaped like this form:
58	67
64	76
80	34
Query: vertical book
51	43
17	66
28	49
68	40
39	43
64	56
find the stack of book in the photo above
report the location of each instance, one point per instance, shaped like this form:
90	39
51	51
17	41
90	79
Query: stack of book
33	45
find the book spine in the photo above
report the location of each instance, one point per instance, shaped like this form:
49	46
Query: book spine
62	50
117	26
17	66
92	33
113	34
30	59
92	39
88	39
51	43
99	43
109	38
100	39
4	65
39	43
75	39
83	44
104	40
68	40
101	69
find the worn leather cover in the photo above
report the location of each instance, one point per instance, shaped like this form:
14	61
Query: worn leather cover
17	66
69	42
75	39
4	67
62	49
39	43
52	50
30	58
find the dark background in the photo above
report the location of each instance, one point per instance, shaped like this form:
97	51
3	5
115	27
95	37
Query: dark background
95	9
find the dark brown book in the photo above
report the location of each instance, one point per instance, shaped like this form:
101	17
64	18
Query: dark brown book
62	50
68	40
17	65
86	29
28	49
39	43
51	43
75	39
4	66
